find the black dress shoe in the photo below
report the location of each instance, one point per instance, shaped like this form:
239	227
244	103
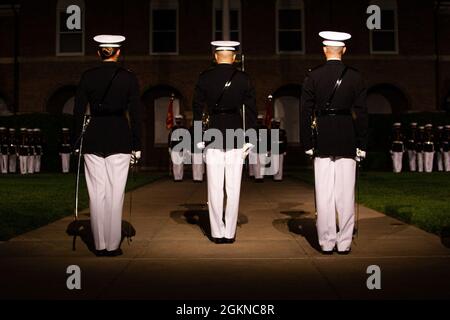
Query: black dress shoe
227	240
343	253
327	252
217	240
114	253
100	253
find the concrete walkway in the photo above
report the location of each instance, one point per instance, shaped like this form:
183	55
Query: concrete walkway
275	255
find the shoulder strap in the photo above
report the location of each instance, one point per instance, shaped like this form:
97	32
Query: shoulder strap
225	88
336	86
109	85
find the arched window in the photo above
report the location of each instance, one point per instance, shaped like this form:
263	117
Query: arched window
290	26
235	20
385	40
70	33
164	26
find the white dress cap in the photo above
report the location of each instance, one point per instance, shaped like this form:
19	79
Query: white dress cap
225	45
334	39
109	41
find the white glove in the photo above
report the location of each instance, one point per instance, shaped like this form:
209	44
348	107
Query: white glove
246	149
360	155
201	145
135	156
310	152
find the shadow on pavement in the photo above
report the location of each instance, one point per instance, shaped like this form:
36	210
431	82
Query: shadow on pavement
301	223
82	229
197	214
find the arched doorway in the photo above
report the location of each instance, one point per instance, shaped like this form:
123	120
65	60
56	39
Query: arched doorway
386	99
155	135
287	109
62	100
4	110
447	103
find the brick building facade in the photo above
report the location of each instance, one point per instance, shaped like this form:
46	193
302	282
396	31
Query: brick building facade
406	64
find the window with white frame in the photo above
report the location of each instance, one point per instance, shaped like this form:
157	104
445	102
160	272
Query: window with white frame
385	40
290	26
235	20
70	39
164	27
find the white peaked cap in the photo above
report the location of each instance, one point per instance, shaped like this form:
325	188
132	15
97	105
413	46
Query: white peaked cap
334	39
397	124
109	40
428	125
413	124
65	129
447	126
225	45
260	116
179	116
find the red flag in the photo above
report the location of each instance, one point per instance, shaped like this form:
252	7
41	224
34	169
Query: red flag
169	118
269	112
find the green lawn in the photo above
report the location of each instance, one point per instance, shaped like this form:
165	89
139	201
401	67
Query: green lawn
31	201
422	199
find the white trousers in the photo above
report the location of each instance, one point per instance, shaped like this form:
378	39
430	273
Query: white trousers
12	163
223	168
447	161
420	161
440	160
259	161
23	161
30	164
412	159
251	166
280	160
335	193
198	167
4	163
397	158
65	162
106	179
428	161
37	164
177	164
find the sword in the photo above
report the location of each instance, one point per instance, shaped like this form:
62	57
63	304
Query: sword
243	105
85	124
358	166
133	178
